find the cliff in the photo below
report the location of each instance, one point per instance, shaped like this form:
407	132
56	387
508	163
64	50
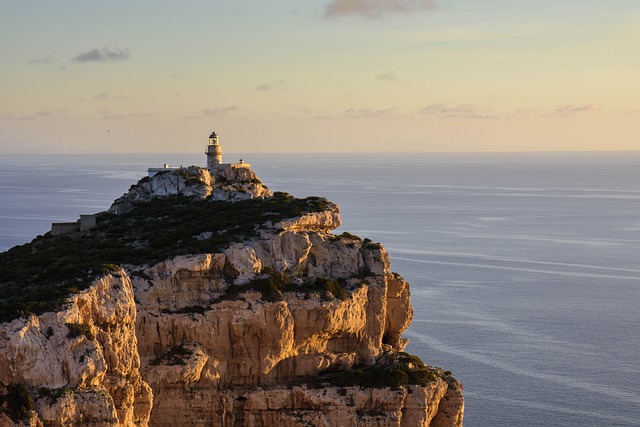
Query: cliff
202	298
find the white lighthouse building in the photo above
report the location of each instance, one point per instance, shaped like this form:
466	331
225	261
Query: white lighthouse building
214	159
214	156
214	151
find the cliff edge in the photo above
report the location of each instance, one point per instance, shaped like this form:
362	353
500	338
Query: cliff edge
201	298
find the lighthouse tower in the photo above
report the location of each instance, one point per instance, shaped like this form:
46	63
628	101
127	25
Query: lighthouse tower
214	151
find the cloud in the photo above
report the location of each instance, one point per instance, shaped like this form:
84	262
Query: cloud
375	9
104	96
307	113
103	55
272	86
462	111
45	60
44	114
571	109
219	111
214	112
364	113
387	77
106	115
559	111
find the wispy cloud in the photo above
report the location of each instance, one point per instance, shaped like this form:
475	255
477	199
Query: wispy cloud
389	77
43	114
364	113
44	60
214	112
571	109
567	110
103	55
462	111
107	115
219	111
281	85
375	9
306	113
104	96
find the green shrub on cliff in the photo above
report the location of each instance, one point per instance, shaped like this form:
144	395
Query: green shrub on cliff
403	370
17	403
79	329
272	284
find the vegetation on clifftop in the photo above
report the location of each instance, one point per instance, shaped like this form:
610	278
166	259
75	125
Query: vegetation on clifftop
396	370
39	276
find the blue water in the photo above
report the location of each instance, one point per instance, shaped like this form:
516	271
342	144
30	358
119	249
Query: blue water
525	268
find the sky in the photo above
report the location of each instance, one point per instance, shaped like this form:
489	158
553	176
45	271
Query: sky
354	76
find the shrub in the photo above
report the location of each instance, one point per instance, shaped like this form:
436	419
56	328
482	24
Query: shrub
326	286
18	403
192	309
110	269
272	284
175	356
54	394
350	236
78	329
394	374
368	244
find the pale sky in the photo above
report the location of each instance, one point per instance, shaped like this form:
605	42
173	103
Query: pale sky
320	75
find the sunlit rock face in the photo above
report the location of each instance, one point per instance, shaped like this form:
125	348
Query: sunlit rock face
224	184
80	364
294	326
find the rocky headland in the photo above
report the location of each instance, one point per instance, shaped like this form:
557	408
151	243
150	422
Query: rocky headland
201	298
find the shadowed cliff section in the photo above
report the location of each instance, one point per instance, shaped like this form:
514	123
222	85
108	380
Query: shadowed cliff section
201	298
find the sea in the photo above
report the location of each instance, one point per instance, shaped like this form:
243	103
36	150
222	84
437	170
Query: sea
524	268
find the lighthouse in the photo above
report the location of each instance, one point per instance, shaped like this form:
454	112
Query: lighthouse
214	151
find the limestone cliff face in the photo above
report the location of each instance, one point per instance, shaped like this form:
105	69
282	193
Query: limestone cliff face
294	327
81	363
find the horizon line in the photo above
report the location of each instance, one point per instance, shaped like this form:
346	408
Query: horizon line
279	153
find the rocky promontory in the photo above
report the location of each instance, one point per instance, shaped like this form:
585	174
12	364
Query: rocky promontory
201	298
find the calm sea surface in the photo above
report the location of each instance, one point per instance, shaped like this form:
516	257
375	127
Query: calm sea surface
525	269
